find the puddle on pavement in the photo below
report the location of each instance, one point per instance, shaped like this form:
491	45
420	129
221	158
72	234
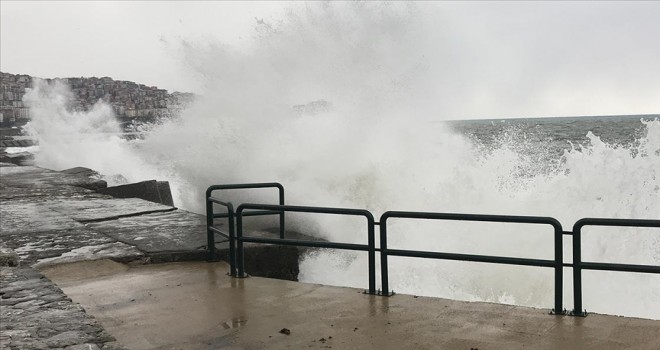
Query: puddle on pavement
235	323
71	272
155	306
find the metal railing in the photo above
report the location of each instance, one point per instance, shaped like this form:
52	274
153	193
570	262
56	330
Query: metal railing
212	230
370	247
237	240
579	265
556	263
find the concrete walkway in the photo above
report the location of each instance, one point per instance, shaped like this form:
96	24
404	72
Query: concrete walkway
51	217
197	306
94	247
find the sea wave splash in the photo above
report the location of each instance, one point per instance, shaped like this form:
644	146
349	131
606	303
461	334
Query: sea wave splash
373	146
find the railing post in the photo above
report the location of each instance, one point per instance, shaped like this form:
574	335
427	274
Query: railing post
372	252
384	273
210	235
240	261
559	269
232	240
577	270
282	229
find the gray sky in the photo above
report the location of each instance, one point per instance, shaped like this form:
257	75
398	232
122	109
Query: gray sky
508	59
120	39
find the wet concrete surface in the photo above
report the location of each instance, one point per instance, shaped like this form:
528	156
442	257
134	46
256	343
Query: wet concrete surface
56	217
36	314
197	306
157	232
48	218
32	176
56	222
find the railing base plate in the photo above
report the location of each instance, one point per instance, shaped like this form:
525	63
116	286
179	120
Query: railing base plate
578	313
560	313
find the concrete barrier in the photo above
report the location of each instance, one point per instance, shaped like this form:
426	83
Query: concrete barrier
151	190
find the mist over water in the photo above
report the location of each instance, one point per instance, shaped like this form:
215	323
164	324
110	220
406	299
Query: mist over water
335	102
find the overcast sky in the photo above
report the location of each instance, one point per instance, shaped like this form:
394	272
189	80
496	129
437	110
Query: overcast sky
508	59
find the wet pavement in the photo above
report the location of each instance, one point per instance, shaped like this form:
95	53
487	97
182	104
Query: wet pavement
36	314
46	219
94	246
197	306
51	217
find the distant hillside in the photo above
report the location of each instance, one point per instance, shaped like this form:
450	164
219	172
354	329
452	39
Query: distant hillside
128	99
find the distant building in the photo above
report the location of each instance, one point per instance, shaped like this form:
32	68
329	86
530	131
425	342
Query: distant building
128	99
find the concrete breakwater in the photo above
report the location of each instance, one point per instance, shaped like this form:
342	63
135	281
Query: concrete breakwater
56	225
59	217
18	143
27	141
6	143
50	217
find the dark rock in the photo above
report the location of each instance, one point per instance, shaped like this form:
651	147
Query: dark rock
80	171
26	143
8	256
272	261
17	158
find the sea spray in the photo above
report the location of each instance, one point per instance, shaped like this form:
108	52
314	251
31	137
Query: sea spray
594	180
374	147
68	138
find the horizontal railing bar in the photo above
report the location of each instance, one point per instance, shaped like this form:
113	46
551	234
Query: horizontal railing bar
250	213
558	264
471	217
616	222
620	267
245	186
230	216
470	257
369	248
580	265
303	243
305	209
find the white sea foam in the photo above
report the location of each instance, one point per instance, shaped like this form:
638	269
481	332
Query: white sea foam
375	148
70	138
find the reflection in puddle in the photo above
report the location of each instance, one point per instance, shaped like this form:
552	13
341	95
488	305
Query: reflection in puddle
234	323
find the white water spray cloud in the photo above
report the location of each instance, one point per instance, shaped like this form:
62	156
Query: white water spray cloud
69	138
372	150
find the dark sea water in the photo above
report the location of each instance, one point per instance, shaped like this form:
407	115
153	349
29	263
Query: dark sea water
545	140
557	133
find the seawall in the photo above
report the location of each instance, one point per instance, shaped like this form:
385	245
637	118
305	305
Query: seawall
86	279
